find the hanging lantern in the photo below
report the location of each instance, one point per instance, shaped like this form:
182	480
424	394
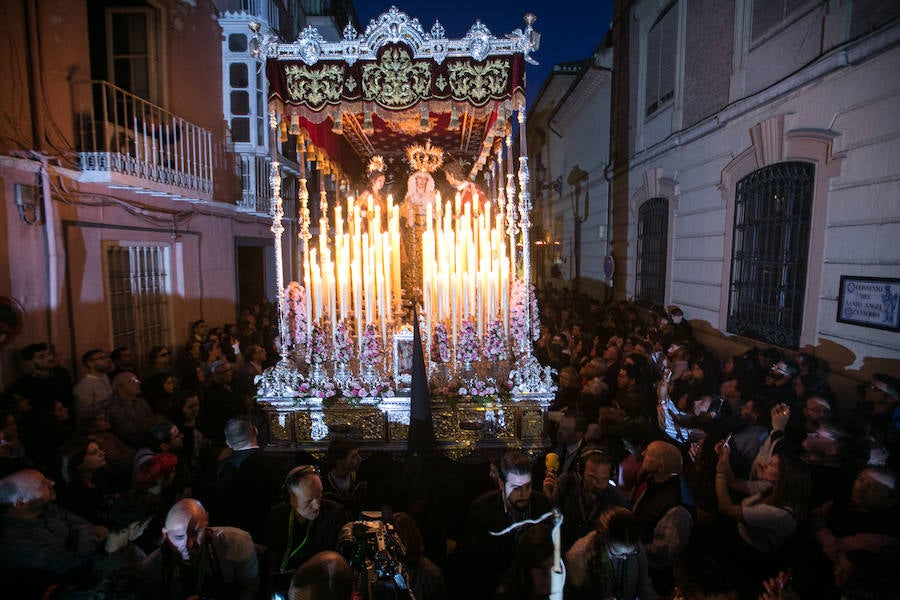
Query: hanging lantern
295	124
423	122
338	127
454	117
368	125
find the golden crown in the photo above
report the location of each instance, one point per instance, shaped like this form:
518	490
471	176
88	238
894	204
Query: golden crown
376	163
425	158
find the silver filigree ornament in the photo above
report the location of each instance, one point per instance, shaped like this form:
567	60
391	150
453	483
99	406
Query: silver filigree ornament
263	44
479	41
309	45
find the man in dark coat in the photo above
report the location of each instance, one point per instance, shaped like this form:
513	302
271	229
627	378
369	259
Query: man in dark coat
488	556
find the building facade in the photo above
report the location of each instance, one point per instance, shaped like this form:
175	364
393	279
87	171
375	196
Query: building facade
754	141
568	150
134	152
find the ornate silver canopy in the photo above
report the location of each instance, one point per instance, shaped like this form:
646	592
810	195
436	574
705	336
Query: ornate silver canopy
395	26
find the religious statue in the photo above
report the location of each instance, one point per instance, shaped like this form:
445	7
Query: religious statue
468	191
373	195
420	194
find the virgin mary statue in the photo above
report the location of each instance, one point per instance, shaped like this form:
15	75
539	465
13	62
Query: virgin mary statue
420	194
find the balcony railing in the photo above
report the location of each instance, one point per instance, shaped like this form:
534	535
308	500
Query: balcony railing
264	10
118	132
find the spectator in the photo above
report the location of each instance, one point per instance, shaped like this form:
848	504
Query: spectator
197	560
123	360
219	403
325	576
159	360
86	489
44	381
488	556
584	493
127	410
340	483
425	578
94	389
129	516
301	528
610	561
41	543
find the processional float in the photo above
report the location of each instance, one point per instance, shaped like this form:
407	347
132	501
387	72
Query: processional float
397	94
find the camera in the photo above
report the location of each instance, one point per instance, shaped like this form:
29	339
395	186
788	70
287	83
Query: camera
376	554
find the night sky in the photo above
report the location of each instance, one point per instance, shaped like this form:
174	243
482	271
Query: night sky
570	30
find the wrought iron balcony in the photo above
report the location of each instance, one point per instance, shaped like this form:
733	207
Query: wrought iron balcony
262	10
126	140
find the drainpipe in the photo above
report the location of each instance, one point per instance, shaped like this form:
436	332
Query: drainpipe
35	89
50	238
38	133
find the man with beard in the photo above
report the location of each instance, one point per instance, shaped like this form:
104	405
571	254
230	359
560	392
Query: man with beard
44	382
584	493
195	560
488	556
94	389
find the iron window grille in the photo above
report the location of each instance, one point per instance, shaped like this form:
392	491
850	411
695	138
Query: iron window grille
769	256
652	254
140	297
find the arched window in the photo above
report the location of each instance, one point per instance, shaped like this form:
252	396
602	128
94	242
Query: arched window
652	250
770	248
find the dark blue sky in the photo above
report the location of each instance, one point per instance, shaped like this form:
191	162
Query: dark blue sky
570	30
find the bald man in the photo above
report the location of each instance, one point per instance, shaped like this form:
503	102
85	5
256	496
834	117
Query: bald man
41	542
197	560
664	510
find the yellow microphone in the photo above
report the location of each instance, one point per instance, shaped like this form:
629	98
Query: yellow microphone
551	461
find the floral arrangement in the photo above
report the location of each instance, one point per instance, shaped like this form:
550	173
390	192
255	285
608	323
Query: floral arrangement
371	347
467	350
317	352
323	390
379	389
478	388
295	313
494	342
341	352
440	344
518	318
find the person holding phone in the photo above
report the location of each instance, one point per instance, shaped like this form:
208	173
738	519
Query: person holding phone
769	513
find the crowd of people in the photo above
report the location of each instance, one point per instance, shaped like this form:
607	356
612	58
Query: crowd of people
677	475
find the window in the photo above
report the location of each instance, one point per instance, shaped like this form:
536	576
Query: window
139	296
652	246
770	245
767	14
132	54
661	50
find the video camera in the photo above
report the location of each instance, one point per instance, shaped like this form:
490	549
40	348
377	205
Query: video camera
376	554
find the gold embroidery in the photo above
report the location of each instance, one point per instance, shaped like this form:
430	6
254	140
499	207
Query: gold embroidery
475	82
441	83
396	80
350	84
314	87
